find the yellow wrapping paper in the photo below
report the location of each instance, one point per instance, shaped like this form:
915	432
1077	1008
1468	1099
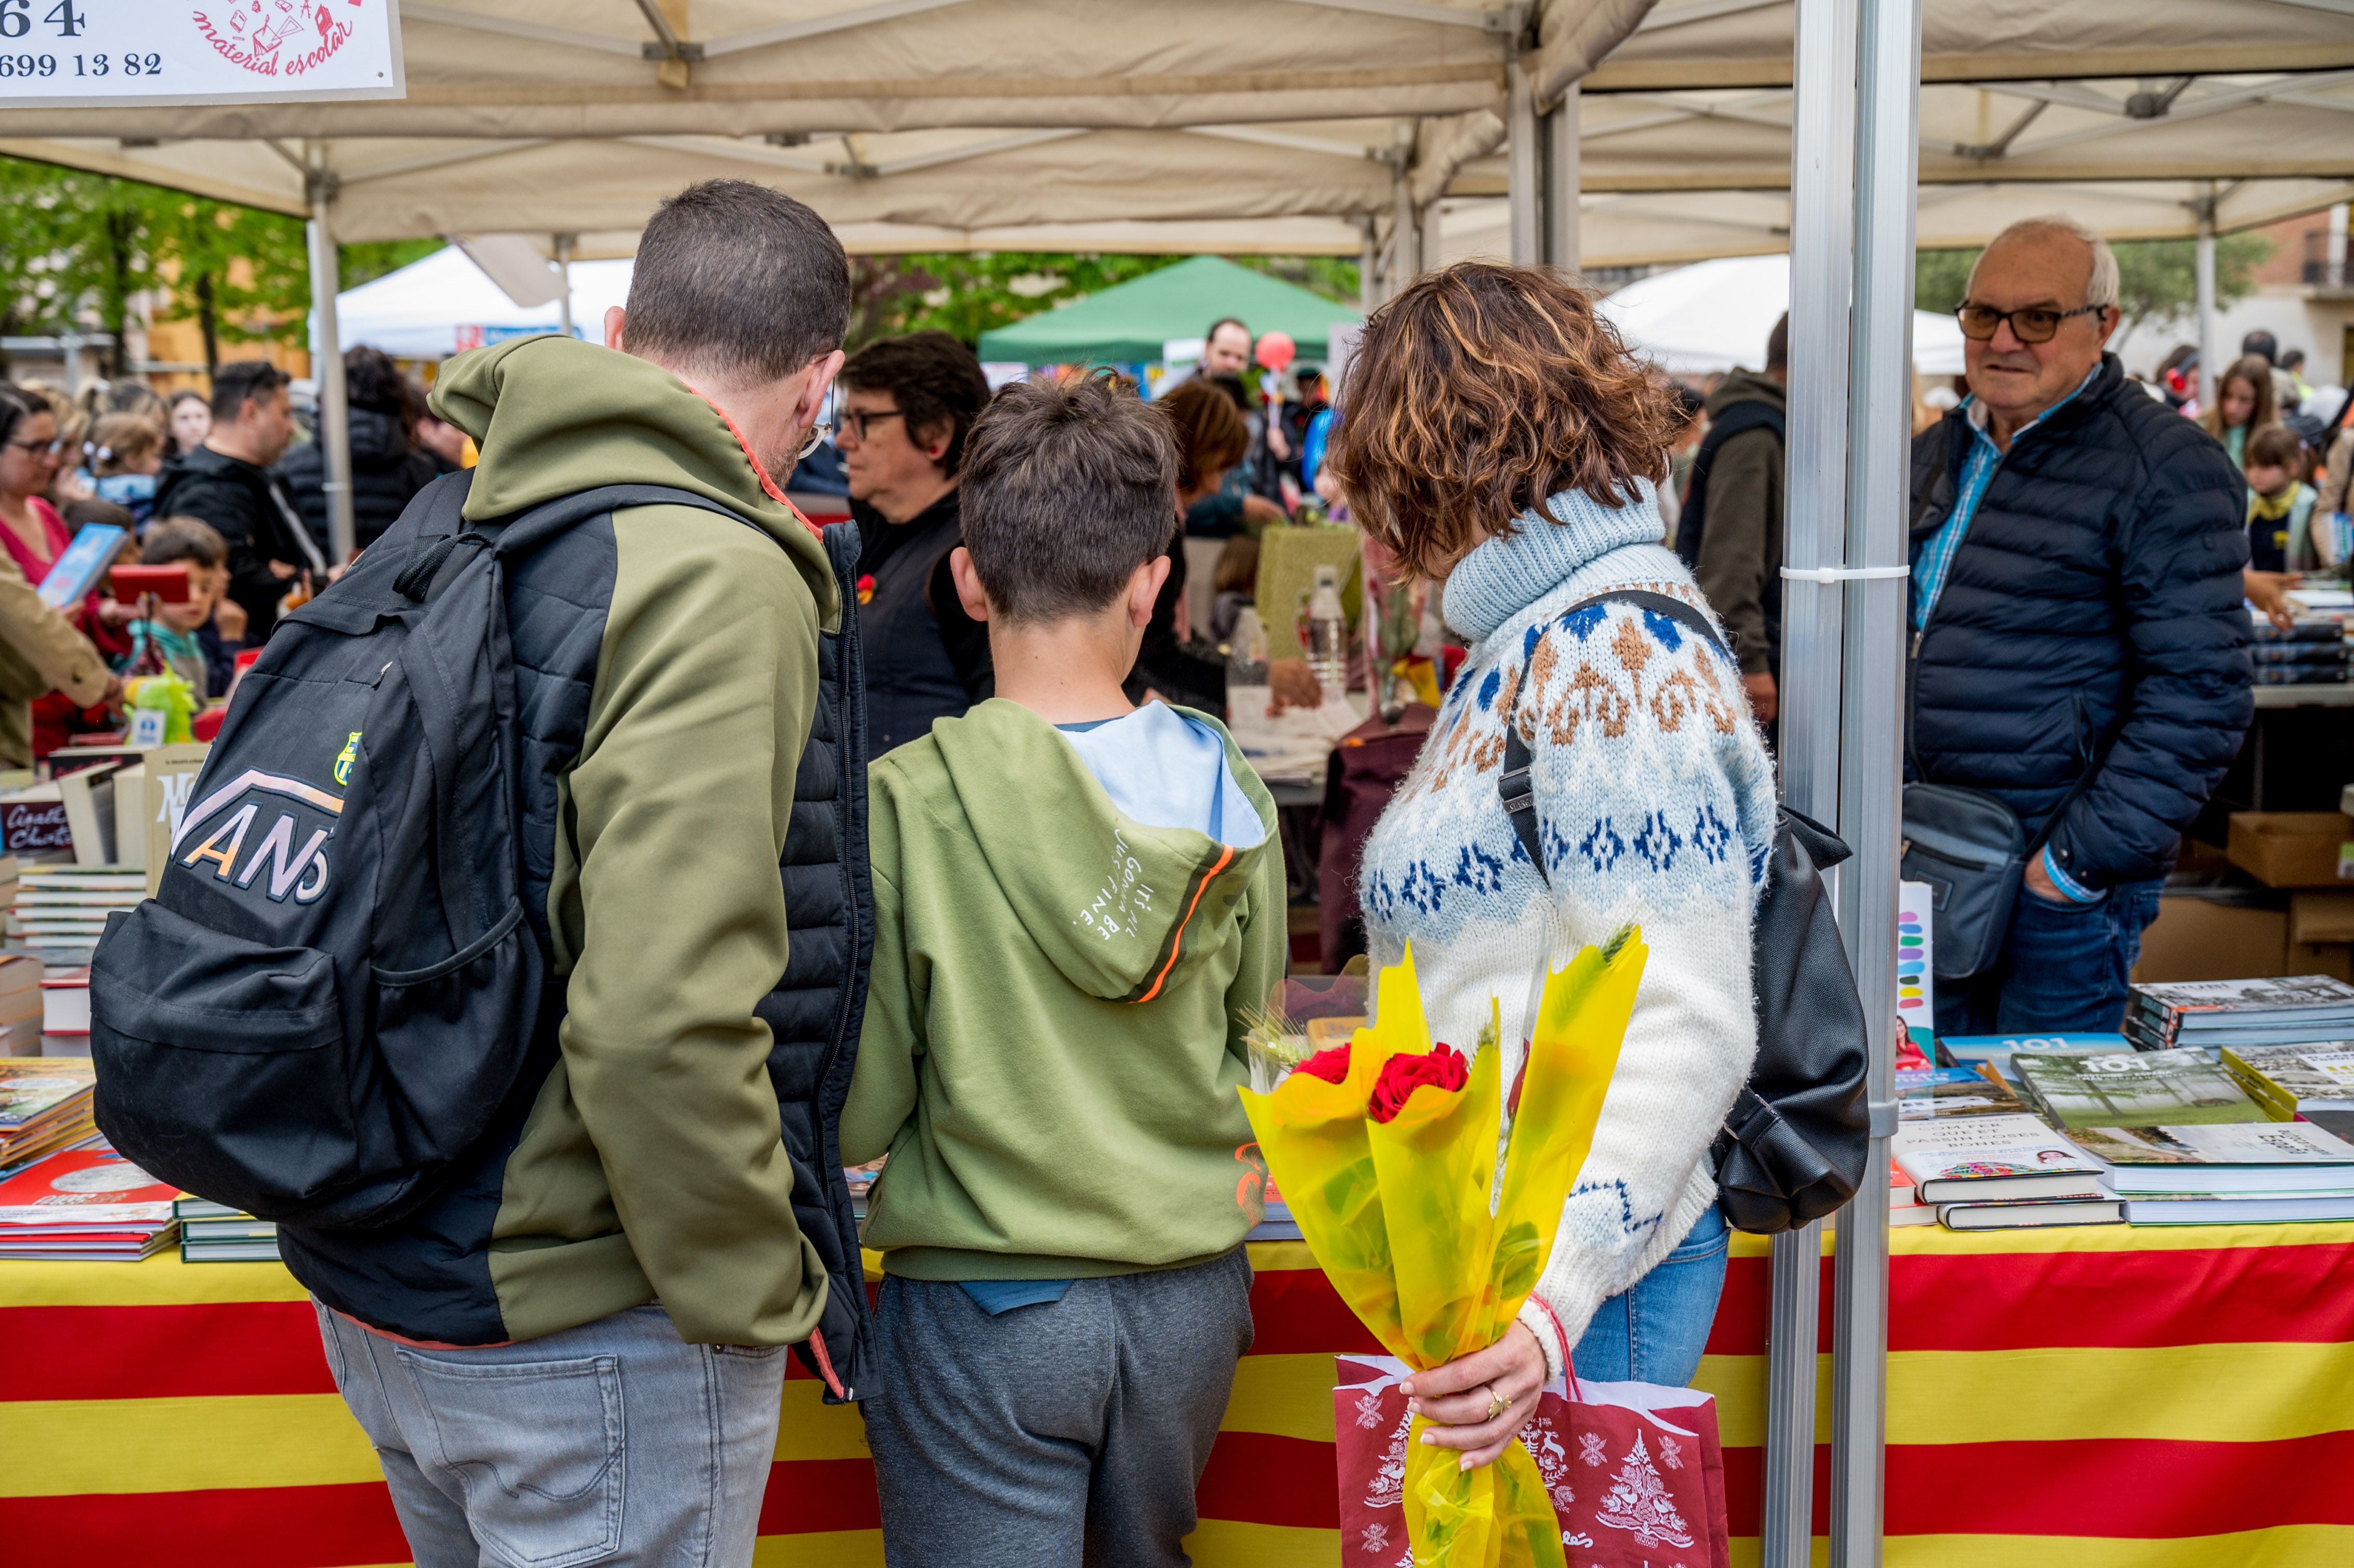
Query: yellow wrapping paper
1407	1220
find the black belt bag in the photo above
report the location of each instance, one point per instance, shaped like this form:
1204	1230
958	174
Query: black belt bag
1972	851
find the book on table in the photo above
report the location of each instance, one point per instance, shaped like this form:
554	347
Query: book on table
2133	1088
2031	1215
1982	1159
2197	1209
2315	1081
45	1103
1996	1050
215	1233
2252	1011
85	1203
1925	1094
2268	1159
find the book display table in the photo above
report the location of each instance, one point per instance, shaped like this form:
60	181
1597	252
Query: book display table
2099	1397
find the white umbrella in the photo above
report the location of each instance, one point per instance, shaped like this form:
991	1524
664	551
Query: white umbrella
431	308
1715	315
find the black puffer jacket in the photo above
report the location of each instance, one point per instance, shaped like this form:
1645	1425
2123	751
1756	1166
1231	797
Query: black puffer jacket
386	473
2094	609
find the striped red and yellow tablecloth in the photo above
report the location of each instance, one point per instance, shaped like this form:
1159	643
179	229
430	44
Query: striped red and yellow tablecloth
2093	1398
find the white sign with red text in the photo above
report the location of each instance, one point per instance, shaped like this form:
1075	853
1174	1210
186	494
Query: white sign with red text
70	53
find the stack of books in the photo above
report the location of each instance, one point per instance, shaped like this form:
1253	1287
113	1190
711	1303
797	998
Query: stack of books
1995	1051
65	1011
2215	1013
44	1105
2312	651
2000	1172
21	1008
60	910
2264	1172
85	1205
215	1233
2182	1141
2313	1082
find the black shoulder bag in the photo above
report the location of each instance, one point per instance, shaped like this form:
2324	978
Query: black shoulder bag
1793	1148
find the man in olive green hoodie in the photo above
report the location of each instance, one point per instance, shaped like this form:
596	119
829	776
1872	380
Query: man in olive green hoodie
574	1352
1078	904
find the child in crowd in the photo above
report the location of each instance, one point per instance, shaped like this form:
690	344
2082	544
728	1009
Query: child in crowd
1078	905
2243	405
126	453
2280	503
177	632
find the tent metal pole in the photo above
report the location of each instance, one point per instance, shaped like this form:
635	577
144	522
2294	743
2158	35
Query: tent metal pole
1520	163
1822	175
564	243
1561	145
1406	242
334	432
1871	714
1369	258
2205	208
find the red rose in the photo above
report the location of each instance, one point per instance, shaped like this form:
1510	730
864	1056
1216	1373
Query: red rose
1331	1065
1403	1074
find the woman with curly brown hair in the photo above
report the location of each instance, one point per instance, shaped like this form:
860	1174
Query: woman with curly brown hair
1495	434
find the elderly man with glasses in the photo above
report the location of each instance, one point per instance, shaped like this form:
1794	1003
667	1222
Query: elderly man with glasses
2079	646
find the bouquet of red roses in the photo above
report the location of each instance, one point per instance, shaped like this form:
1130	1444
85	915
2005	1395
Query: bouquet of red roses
1387	1149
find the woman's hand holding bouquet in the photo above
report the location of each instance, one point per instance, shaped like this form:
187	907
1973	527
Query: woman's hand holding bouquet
1388	1151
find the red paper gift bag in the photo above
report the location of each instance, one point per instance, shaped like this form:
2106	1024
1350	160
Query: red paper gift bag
1635	1470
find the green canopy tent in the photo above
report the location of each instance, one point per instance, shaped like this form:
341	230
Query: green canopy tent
1130	323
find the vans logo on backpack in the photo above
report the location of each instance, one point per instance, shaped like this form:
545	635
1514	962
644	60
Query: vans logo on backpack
301	872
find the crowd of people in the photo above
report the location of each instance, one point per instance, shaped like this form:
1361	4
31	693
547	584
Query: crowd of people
219	483
1074	895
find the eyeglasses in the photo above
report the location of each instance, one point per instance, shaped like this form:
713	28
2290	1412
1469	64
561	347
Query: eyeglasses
860	418
818	433
40	449
2033	324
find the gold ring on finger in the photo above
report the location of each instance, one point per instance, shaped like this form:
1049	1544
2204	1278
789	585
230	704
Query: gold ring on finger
1497	1405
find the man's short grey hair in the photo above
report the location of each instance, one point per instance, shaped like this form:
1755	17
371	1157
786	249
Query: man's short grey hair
2101	288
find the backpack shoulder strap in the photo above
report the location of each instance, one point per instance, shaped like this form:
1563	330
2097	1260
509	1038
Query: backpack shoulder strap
1515	785
527	531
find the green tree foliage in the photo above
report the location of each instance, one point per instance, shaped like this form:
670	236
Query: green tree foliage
81	245
966	294
2157	278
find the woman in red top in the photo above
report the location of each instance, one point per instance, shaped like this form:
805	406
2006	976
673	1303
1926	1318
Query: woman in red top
35	535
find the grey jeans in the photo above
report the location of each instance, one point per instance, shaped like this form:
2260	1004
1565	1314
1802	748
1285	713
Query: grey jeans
1049	1436
616	1442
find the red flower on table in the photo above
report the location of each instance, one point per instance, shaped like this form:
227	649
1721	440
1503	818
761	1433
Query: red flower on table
1405	1073
1331	1065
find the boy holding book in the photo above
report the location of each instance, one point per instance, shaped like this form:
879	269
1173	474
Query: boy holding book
1078	905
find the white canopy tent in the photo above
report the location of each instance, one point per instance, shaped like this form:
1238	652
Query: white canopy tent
1716	315
945	117
428	309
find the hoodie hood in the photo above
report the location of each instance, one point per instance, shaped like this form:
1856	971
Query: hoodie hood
1746	386
1123	910
554	416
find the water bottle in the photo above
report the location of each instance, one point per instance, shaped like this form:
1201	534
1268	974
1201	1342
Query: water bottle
1328	632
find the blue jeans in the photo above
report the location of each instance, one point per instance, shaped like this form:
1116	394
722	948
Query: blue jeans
1656	1331
2062	970
616	1443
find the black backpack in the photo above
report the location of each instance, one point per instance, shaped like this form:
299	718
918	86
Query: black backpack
1793	1148
335	986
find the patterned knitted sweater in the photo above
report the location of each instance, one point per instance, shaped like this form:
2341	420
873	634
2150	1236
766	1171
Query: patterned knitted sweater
1654	801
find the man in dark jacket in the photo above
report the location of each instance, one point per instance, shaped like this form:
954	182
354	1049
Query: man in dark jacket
907	405
2079	648
387	468
227	482
1730	530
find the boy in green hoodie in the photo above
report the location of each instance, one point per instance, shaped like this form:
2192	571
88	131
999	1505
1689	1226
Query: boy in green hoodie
1077	904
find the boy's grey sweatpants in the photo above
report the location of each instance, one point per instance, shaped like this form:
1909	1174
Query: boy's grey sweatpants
1067	1432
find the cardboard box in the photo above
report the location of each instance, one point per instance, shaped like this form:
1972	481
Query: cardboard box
2321	916
2203	938
2293	849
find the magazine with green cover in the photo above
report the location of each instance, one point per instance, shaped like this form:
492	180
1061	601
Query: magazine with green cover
2136	1088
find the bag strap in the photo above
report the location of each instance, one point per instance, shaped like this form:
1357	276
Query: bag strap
1516	786
542	523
